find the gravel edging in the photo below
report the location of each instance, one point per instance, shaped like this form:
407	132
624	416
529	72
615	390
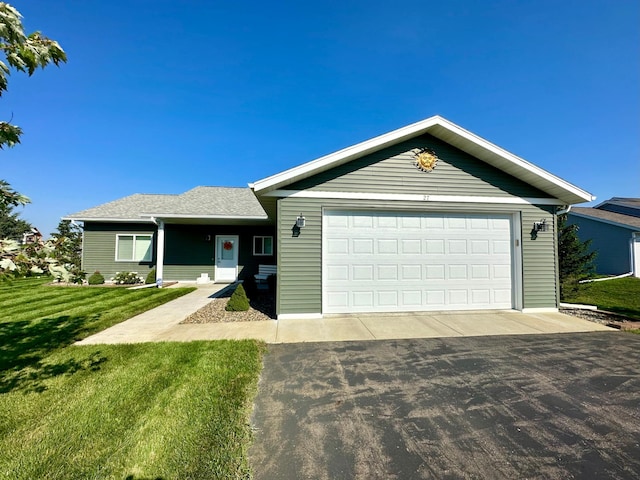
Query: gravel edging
262	308
603	317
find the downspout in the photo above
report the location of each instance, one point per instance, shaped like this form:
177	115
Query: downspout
567	209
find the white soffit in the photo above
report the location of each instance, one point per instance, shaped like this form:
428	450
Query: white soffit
448	132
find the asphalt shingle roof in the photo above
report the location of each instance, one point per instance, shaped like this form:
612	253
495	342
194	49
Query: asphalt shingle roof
598	214
236	202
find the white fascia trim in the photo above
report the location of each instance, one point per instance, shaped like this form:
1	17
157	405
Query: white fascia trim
521	162
540	310
411	197
346	153
112	220
230	217
401	134
299	316
602	220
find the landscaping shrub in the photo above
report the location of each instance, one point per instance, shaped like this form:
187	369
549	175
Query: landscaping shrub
96	279
151	277
127	278
238	301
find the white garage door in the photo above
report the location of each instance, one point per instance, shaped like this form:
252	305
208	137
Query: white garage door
398	261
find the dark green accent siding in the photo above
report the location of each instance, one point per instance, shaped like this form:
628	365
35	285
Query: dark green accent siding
300	258
188	251
99	248
392	170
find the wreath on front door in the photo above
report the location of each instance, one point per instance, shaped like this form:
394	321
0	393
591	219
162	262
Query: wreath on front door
227	245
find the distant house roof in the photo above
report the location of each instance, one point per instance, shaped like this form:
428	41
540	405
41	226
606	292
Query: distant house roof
633	203
448	132
627	221
198	203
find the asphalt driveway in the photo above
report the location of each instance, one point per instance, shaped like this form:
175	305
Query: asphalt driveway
533	406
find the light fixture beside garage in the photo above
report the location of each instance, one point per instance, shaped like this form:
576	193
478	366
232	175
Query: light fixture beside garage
300	221
425	159
540	226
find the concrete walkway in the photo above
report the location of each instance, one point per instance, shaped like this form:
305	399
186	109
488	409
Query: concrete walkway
163	324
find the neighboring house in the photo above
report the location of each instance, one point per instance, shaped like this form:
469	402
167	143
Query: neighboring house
427	217
32	236
614	230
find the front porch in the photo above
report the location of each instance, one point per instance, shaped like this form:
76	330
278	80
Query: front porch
223	253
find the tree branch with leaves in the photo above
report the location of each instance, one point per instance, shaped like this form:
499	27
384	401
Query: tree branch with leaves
24	53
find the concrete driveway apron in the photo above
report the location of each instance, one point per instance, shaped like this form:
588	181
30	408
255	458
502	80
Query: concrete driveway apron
527	406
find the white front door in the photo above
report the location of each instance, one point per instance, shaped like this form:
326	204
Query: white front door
226	258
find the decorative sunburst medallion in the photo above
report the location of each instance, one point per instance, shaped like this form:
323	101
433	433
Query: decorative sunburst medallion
425	159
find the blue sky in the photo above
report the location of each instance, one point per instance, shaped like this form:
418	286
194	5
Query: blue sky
162	96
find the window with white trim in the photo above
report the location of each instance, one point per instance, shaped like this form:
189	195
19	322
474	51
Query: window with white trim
134	248
262	246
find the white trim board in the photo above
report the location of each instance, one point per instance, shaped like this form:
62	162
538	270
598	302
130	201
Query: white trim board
449	133
299	316
411	197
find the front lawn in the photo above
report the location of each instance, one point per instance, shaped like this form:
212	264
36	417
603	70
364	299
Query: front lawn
36	319
144	411
621	295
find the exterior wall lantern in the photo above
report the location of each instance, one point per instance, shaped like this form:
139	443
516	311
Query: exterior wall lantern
300	222
540	226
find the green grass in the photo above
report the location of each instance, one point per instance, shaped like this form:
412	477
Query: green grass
168	410
621	295
145	411
36	320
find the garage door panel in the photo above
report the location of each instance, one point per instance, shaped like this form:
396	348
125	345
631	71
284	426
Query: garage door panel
388	246
410	272
387	273
388	298
337	273
338	246
457	246
434	272
389	261
434	247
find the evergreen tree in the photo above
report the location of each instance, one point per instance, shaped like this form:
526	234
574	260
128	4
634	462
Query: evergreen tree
11	226
67	246
574	257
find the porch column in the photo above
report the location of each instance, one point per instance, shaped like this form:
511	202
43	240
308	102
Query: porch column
160	252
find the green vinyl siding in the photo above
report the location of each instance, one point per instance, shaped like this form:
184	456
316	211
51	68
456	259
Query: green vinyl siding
189	249
539	259
300	258
99	248
392	170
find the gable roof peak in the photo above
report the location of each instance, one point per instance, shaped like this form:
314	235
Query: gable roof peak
448	132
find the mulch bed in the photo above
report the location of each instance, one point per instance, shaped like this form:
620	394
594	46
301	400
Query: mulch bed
610	319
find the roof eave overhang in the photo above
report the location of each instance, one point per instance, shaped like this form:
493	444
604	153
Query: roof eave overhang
633	228
167	216
109	219
208	219
448	132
